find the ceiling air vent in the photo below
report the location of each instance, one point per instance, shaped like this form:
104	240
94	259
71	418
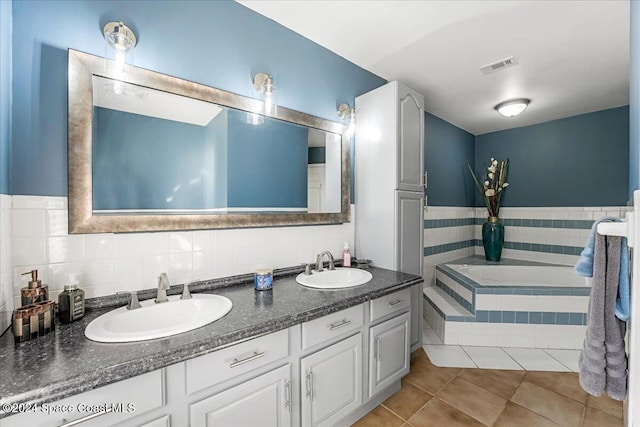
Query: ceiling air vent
500	65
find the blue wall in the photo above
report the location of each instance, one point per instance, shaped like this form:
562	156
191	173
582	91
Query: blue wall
447	151
272	173
217	43
5	95
634	106
575	161
144	162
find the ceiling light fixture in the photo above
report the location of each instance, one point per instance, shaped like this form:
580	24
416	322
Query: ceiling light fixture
346	112
263	83
512	107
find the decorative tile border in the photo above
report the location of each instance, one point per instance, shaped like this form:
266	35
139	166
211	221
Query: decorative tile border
515	317
452	222
512	222
543	223
505	290
447	247
520	246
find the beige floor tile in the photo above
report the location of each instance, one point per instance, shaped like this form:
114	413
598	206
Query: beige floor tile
473	400
379	417
407	401
564	383
427	376
502	383
596	418
549	404
437	413
517	416
606	404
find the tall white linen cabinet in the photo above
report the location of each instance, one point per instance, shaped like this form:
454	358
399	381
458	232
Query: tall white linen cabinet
390	184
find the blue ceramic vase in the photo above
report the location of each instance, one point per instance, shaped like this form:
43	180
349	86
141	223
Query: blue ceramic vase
493	238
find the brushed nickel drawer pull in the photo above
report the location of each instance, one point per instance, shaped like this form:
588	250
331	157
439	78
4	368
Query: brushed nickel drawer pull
288	395
83	419
396	302
254	356
338	325
309	393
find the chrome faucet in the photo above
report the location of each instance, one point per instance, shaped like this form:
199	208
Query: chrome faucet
133	301
319	261
163	285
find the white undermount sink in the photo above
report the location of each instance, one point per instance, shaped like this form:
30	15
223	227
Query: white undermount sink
335	279
158	320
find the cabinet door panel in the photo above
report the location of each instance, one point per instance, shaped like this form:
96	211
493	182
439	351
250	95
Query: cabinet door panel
389	352
410	141
410	226
332	382
262	401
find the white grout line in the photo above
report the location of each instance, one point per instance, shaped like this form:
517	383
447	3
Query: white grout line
558	360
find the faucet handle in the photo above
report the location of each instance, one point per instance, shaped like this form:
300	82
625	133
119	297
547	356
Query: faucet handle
185	291
307	268
163	281
133	301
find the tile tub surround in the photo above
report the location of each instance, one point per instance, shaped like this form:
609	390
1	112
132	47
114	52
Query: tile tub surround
65	363
449	234
118	262
462	312
555	235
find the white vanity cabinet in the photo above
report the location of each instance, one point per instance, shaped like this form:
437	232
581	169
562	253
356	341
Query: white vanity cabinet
390	184
388	353
262	401
389	339
114	404
331	382
327	371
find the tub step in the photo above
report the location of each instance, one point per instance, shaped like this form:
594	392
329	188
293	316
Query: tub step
448	307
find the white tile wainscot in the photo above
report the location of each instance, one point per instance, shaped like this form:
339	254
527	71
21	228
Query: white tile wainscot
115	262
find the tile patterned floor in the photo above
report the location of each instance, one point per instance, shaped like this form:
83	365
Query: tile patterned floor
529	359
450	397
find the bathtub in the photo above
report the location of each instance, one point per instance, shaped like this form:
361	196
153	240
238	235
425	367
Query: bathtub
521	275
507	305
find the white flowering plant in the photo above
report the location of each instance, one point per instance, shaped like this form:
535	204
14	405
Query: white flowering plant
492	184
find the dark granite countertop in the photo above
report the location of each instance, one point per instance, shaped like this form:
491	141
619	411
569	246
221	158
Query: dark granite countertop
64	363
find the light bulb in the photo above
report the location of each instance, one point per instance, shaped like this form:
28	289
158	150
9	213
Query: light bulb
119	61
268	103
351	129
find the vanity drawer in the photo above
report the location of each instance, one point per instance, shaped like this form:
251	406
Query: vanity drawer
210	369
108	405
392	303
333	325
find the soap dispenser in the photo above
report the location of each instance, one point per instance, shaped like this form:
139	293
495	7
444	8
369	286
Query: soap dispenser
35	291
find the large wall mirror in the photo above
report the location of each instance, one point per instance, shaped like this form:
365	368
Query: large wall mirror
152	152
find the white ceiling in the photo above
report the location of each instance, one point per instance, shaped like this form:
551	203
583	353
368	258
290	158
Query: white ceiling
573	55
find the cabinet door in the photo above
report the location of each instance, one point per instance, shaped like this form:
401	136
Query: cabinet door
410	249
332	382
410	140
262	401
388	353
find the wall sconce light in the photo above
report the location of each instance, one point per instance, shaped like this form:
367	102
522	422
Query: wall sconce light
263	83
122	39
512	107
346	112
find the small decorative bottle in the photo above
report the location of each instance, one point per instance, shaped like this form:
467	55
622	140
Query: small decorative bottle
346	255
71	302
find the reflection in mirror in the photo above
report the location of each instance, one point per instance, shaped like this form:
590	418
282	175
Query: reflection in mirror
156	152
153	152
